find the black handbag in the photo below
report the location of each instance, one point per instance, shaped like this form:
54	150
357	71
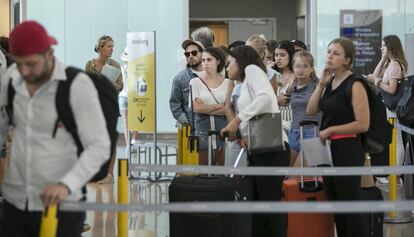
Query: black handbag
264	133
391	100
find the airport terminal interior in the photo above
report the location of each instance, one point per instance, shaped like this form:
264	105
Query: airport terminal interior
149	42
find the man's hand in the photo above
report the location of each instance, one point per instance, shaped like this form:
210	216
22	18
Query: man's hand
53	194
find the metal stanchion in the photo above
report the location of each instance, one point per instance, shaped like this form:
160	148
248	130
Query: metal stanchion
123	197
49	223
396	190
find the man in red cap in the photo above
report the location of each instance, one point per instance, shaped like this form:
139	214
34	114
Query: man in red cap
43	169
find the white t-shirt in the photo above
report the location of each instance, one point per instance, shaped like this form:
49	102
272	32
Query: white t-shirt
200	91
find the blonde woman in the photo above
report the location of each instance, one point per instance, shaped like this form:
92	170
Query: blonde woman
104	47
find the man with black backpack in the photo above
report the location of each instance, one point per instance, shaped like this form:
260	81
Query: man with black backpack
48	163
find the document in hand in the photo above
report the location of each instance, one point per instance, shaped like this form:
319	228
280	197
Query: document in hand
315	153
112	73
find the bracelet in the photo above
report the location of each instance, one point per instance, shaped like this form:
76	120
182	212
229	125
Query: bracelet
66	186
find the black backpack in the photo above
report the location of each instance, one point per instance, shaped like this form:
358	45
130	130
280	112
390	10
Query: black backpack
379	133
108	98
405	106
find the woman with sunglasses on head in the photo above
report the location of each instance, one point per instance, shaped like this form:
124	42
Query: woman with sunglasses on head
257	97
104	47
343	99
209	91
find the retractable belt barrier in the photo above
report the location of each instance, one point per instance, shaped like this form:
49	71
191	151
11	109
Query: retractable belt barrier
276	171
250	207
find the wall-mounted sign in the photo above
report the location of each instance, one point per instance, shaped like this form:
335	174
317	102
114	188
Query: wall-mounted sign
141	81
364	28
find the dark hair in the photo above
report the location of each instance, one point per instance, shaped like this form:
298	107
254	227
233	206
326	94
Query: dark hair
235	44
348	47
245	56
300	44
394	47
271	46
4	43
290	49
217	54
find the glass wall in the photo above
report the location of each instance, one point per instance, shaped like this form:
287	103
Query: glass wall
77	25
395	19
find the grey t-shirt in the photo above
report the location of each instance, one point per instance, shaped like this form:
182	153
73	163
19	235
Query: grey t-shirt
299	101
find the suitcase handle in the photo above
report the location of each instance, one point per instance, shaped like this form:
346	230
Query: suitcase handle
308	122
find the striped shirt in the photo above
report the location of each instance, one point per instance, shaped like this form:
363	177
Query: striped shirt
299	101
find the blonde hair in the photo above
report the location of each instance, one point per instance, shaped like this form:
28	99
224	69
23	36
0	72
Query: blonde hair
102	41
258	42
308	57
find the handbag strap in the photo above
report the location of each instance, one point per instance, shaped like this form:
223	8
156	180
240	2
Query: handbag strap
208	88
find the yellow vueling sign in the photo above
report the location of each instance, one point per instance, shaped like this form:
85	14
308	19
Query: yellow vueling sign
141	81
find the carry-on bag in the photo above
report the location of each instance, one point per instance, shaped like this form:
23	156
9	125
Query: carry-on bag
203	188
308	190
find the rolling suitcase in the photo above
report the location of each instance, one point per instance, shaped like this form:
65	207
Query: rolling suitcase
210	188
307	224
374	220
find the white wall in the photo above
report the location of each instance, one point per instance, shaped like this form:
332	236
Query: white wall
77	25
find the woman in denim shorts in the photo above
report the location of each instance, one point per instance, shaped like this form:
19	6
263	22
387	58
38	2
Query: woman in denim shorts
302	89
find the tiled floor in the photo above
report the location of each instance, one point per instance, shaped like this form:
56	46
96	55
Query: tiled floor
156	224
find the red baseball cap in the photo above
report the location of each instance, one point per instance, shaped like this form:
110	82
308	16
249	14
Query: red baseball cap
29	38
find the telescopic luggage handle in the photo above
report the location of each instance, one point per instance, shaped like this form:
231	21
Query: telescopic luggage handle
308	122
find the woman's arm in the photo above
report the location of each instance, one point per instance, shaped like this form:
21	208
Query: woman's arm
201	108
230	113
378	68
361	112
273	82
313	104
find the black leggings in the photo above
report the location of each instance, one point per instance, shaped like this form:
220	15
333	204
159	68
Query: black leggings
269	188
346	152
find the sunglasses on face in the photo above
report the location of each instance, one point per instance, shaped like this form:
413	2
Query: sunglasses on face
194	53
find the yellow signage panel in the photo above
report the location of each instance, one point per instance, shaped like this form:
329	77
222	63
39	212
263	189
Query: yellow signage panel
141	81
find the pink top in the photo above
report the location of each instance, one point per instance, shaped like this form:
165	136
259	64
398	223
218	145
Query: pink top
393	71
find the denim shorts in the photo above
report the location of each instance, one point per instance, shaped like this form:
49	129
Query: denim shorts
294	137
123	103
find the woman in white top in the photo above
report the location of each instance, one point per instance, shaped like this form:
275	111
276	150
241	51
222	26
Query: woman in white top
208	99
246	67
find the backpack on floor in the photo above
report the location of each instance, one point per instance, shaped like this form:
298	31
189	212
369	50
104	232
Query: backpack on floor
108	98
379	133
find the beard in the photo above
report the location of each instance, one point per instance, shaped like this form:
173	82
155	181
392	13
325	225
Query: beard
40	79
194	64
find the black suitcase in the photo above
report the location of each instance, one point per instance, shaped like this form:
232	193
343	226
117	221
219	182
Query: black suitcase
210	188
374	220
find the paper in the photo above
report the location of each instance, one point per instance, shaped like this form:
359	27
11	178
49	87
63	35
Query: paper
112	73
315	153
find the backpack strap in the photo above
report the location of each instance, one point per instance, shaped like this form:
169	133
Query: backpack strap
64	109
11	92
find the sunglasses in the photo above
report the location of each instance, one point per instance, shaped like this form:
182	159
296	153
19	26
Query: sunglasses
194	53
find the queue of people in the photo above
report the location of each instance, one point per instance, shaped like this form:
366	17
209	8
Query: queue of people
220	89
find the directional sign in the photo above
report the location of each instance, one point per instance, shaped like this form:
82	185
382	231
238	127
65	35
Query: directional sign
141	81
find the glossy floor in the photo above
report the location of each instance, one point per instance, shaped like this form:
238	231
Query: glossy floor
156	224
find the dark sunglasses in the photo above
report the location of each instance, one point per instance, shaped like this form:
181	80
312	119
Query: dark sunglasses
194	53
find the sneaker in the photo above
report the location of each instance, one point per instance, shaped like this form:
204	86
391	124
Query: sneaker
85	228
107	180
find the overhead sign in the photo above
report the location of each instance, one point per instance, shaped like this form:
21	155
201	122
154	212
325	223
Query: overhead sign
364	28
141	81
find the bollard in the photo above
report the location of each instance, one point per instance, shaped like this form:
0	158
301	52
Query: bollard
49	222
395	190
123	197
393	162
180	145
